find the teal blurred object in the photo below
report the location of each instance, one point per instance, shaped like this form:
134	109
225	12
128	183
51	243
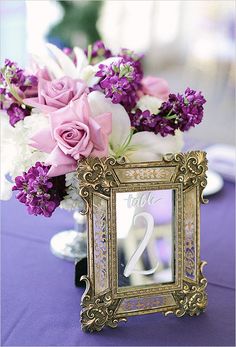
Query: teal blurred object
78	24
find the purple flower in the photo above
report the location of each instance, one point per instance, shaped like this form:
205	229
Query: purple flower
68	51
145	121
179	112
185	110
98	52
16	113
13	73
30	82
39	192
15	84
120	81
131	56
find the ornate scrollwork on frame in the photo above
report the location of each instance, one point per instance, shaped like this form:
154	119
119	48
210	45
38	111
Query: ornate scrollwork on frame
192	299
99	311
192	167
117	192
146	173
95	174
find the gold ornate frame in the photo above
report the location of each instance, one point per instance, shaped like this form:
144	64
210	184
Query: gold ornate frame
100	179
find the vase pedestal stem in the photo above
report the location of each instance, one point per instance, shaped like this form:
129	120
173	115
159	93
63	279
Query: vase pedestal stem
71	244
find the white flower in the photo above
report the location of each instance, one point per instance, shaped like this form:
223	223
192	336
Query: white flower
72	199
17	155
151	103
146	146
58	64
142	146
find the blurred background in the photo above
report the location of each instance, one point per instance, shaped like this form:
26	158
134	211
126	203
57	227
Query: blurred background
189	43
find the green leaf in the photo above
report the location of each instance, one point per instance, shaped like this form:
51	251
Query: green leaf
89	53
171	117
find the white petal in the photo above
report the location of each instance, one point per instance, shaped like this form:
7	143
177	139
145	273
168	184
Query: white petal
7	146
7	160
6	129
120	120
142	155
53	68
64	61
151	103
81	59
146	146
171	144
88	75
6	188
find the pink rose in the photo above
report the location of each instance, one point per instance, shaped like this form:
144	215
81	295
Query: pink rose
73	134
73	138
155	86
56	93
43	73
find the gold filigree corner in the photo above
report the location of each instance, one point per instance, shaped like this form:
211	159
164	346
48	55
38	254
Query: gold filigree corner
95	174
192	299
98	312
191	169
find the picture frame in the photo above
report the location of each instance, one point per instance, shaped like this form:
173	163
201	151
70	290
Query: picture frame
112	191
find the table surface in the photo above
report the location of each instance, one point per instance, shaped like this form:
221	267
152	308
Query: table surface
41	305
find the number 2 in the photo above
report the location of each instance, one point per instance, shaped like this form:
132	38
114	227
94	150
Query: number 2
130	267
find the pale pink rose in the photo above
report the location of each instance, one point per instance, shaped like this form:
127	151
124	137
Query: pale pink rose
73	134
155	86
43	73
57	93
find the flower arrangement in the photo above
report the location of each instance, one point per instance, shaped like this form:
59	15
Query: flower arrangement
75	104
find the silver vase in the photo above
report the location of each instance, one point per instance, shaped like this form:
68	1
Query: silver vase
71	244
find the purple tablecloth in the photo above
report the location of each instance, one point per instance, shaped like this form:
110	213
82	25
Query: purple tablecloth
41	305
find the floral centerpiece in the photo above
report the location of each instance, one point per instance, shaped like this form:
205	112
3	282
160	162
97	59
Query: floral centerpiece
73	104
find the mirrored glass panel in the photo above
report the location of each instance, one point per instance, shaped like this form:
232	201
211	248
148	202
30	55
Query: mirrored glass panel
145	237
